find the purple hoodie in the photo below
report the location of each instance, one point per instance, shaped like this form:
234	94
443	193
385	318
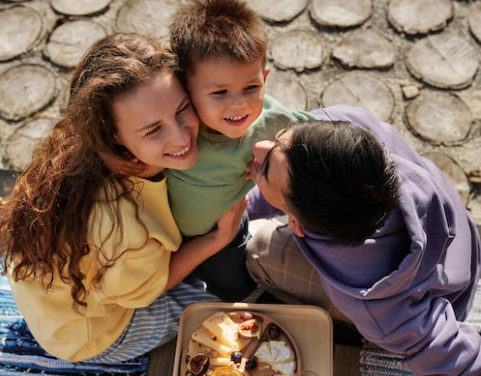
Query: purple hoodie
411	284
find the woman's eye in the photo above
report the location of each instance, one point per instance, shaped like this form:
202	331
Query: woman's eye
183	108
152	131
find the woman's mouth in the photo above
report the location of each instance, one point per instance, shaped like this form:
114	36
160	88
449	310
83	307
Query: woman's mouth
181	153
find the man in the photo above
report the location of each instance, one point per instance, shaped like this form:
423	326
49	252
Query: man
391	241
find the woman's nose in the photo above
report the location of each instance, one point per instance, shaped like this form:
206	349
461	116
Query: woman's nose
180	134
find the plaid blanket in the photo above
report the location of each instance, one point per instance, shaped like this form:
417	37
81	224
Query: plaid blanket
375	361
21	355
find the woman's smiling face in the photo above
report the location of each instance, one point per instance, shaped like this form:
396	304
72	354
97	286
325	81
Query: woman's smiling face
157	124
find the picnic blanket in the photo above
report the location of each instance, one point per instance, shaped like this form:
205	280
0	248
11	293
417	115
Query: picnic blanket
375	361
21	355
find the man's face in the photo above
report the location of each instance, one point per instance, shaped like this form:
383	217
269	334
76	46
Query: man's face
227	95
269	169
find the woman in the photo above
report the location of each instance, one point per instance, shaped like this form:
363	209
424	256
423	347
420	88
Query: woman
93	258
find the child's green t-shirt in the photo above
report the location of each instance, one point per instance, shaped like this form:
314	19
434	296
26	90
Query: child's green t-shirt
200	195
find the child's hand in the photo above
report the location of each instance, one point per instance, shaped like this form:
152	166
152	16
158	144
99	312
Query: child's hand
122	166
229	223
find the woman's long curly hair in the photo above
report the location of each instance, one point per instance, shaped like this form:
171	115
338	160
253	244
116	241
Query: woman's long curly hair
44	222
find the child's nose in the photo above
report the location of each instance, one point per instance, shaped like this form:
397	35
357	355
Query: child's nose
238	101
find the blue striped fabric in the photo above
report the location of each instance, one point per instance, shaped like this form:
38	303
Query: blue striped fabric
157	324
21	355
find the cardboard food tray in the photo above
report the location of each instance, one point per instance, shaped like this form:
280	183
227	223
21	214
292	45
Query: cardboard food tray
310	326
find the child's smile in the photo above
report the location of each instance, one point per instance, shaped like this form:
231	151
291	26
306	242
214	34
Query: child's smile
228	95
237	121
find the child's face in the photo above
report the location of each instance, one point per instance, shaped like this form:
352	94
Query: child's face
228	95
157	124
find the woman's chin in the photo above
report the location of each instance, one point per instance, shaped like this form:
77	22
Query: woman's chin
151	172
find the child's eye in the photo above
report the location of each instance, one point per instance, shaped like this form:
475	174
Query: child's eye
252	87
219	92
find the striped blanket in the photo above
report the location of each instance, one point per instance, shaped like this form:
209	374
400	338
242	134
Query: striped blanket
21	355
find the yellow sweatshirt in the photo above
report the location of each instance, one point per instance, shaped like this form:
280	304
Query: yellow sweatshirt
135	280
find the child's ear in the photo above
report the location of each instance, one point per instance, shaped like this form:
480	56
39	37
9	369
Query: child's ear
296	226
266	73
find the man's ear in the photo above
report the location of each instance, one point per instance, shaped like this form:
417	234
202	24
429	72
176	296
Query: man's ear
296	226
266	73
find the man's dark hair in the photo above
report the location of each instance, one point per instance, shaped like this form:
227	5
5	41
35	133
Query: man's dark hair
204	29
341	182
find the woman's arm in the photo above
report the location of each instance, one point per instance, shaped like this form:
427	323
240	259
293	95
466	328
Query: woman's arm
199	249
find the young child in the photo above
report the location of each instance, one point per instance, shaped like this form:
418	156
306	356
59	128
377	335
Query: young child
221	46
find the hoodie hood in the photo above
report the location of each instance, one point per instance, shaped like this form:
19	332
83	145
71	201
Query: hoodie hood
409	250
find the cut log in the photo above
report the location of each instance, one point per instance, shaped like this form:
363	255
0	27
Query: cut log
361	90
365	49
474	176
69	42
444	60
297	49
21	143
79	7
15	38
441	118
277	10
25	89
287	89
475	20
340	13
453	172
419	17
151	17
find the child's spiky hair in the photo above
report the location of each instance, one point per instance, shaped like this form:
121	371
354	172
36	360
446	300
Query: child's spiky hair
204	29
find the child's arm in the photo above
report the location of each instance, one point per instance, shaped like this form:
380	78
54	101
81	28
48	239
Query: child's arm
199	249
127	166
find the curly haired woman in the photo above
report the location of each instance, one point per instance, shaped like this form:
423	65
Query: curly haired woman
95	259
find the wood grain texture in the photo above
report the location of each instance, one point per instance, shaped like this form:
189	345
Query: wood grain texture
341	13
15	38
444	60
419	17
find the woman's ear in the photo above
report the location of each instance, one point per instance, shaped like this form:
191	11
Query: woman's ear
296	226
